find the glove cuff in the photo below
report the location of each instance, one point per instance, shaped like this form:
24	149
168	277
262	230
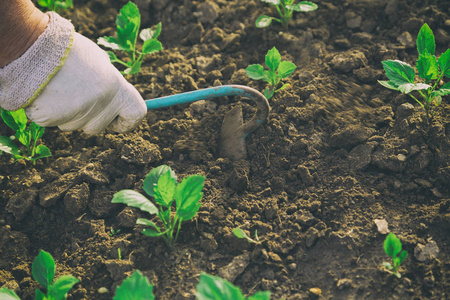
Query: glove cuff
23	79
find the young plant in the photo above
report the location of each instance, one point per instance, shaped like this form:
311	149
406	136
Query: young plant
161	184
43	271
239	233
285	9
135	287
393	248
128	22
212	288
430	70
56	5
26	135
277	70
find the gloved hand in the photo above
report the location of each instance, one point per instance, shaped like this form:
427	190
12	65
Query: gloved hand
79	89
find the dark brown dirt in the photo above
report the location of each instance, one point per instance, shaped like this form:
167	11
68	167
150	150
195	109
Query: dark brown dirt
337	152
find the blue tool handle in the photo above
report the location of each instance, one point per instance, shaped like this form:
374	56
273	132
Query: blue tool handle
203	94
218	91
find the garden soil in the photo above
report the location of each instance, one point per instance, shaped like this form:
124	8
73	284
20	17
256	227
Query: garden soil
338	155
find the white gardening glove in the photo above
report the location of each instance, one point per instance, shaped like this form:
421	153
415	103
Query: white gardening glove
87	92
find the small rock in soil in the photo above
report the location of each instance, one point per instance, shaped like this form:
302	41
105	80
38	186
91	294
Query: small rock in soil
426	252
307	179
76	199
208	242
344	283
235	268
118	268
54	191
350	136
305	218
93	174
207	12
20	204
127	218
13	286
382	226
406	40
360	157
348	61
140	151
353	20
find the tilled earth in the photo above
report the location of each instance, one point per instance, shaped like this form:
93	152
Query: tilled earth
337	152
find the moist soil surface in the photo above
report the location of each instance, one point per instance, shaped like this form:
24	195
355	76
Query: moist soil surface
337	152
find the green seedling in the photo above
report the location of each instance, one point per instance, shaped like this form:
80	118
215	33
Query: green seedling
27	135
285	9
113	233
393	248
212	288
135	287
242	235
161	184
56	5
128	23
431	71
277	70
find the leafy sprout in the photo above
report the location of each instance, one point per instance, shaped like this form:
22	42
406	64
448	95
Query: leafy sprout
56	5
278	70
128	22
431	70
393	248
27	135
161	184
285	9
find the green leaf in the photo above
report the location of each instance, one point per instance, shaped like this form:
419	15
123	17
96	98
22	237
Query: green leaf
425	40
152	178
41	152
273	59
135	287
142	221
6	294
112	57
286	68
409	87
212	287
152	233
43	3
151	46
16	120
43	269
268	93
165	190
263	21
135	68
135	199
110	42
392	245
403	255
263	295
61	286
273	2
128	22
188	195
398	71
151	33
24	137
38	295
304	6
285	86
444	63
8	146
240	233
443	91
271	77
37	131
427	66
255	72
388	84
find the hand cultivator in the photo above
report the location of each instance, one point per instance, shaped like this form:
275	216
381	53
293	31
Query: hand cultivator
234	130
